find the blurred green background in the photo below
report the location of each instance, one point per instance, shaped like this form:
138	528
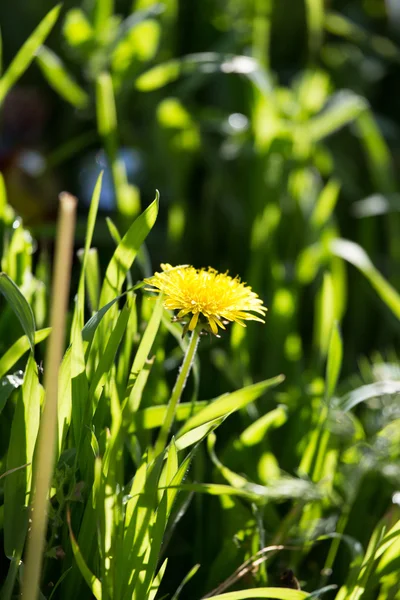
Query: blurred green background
272	130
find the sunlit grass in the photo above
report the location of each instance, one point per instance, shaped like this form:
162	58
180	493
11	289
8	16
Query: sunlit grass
191	466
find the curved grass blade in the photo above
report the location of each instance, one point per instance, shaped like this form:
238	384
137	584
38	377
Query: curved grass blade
355	255
27	53
367	392
92	581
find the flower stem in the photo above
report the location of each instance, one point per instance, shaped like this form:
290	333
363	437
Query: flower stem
177	391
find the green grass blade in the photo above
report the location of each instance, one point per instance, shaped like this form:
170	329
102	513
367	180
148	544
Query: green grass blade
325	204
24	430
92	581
334	363
27	53
229	403
126	253
77	324
141	357
148	338
92	277
315	23
185	580
108	354
3	197
157	581
257	431
59	79
271	593
20	306
103	13
355	255
153	416
127	195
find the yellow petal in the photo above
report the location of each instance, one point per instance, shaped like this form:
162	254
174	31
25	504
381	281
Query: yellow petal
193	321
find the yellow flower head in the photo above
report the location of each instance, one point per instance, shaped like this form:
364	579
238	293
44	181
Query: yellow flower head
206	296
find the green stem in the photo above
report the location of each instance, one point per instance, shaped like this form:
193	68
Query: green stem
177	391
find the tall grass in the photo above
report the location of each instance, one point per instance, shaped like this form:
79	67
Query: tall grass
284	449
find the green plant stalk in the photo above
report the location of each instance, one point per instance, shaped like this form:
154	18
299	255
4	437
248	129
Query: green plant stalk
177	391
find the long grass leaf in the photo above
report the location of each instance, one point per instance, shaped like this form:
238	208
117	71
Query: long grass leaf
27	53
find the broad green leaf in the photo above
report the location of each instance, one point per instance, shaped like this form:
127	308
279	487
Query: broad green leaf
334	362
228	403
20	306
27	53
355	255
18	349
59	79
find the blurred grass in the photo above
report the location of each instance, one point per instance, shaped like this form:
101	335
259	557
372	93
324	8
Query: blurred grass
266	126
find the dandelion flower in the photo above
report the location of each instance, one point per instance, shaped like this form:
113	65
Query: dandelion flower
206	297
